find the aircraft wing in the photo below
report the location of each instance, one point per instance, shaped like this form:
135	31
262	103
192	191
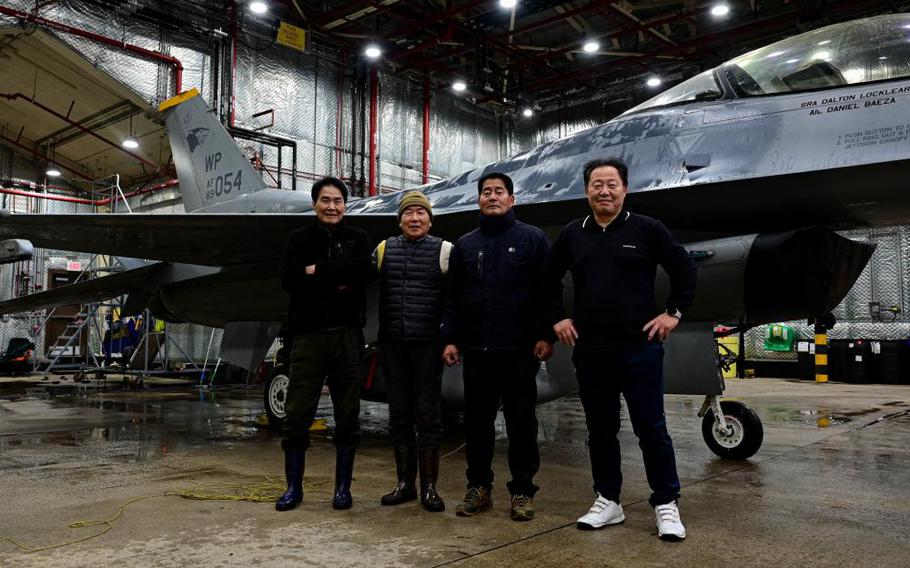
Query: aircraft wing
206	239
95	290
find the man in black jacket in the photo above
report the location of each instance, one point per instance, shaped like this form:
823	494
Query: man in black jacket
326	266
493	317
617	333
412	268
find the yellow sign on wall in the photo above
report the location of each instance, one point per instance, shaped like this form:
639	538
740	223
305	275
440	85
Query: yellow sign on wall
292	36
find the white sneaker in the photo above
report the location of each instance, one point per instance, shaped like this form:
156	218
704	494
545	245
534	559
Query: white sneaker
669	525
602	513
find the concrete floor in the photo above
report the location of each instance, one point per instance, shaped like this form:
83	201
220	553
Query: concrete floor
830	486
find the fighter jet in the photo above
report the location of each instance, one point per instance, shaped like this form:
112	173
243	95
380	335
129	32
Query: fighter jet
753	164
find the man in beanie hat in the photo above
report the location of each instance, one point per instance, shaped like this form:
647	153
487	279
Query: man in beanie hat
326	266
412	267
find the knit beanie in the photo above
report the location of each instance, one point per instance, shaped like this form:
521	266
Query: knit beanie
414	198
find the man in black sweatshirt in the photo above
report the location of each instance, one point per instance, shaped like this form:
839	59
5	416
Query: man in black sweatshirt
617	332
326	266
493	316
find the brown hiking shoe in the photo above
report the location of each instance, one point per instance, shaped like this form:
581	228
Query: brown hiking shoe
476	500
522	508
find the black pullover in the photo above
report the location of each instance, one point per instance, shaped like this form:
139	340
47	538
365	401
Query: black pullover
613	271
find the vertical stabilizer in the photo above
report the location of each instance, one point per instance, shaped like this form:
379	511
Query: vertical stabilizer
210	166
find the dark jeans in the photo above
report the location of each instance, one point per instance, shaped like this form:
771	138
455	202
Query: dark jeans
637	375
413	376
330	357
512	377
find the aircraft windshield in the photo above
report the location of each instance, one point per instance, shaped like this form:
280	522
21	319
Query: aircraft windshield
700	86
873	49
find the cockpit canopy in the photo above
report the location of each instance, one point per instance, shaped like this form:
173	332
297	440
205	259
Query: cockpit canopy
849	53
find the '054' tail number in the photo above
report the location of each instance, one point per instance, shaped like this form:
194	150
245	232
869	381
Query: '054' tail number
223	184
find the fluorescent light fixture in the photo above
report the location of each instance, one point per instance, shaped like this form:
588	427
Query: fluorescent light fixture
52	172
459	86
527	112
508	3
792	61
372	51
882	58
130	143
826	42
590	46
720	10
776	54
258	7
653	82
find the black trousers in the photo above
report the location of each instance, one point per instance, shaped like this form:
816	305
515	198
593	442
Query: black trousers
330	357
509	376
637	375
413	375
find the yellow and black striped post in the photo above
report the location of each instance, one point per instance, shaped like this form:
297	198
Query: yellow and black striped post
821	353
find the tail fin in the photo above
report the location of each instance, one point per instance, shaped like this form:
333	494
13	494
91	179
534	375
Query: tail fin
210	166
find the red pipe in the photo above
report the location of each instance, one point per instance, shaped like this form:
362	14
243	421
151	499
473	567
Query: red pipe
95	202
374	95
425	169
134	49
49	110
50	196
42	157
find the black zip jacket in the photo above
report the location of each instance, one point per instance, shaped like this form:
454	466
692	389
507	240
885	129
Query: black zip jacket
613	272
334	296
494	287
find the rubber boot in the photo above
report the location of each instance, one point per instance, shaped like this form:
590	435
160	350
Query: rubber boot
293	471
429	472
344	471
406	466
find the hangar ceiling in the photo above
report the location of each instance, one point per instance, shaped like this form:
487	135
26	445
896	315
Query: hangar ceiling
58	108
532	54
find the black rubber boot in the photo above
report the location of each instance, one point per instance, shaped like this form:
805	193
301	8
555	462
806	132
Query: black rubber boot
406	465
344	471
429	472
293	471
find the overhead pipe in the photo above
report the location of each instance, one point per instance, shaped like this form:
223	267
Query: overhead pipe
374	95
14	96
425	165
84	201
130	48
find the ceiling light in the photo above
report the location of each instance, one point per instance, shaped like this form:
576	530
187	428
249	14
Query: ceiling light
776	54
130	142
827	41
882	58
823	55
52	172
653	82
590	46
527	112
508	3
459	86
372	51
792	60
720	10
258	7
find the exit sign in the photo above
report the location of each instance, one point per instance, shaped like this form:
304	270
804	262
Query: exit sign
74	266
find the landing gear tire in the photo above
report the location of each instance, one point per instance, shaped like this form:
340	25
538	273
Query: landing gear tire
744	432
275	395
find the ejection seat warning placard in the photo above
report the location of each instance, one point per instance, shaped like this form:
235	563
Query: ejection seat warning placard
874	136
